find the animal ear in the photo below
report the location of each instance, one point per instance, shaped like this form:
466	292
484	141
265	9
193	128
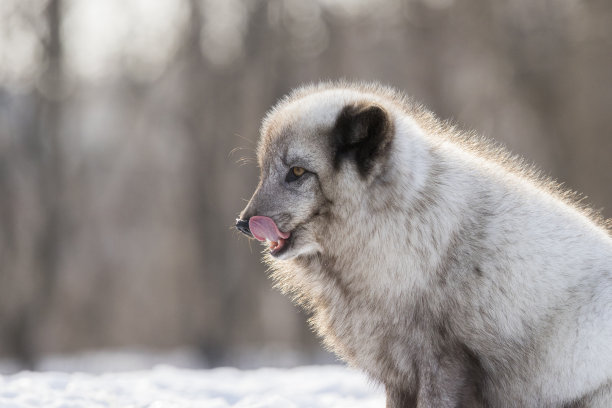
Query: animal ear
363	133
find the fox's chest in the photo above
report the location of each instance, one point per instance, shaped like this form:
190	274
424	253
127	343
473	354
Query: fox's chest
386	329
384	343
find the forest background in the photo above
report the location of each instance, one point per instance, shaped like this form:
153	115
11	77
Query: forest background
127	136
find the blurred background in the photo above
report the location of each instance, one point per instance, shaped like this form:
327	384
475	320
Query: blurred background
127	135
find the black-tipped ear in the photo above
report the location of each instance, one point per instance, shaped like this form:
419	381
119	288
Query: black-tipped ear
362	132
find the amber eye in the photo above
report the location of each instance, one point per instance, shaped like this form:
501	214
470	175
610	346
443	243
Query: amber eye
294	174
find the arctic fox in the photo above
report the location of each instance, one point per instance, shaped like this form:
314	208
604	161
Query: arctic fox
434	261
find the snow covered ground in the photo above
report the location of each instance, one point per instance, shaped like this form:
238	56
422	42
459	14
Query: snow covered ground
132	378
166	386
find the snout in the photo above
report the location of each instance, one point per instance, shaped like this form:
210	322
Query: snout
243	226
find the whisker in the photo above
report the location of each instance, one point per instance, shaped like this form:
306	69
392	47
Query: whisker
245	160
244	138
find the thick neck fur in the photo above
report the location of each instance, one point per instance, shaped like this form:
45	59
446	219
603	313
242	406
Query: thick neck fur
352	279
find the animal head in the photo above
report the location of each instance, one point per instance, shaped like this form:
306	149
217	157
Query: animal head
319	151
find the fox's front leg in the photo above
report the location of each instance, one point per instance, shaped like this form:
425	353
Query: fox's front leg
399	398
448	382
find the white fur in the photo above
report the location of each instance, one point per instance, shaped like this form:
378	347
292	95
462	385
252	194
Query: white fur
539	318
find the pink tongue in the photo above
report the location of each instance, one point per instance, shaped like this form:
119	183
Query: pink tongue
264	228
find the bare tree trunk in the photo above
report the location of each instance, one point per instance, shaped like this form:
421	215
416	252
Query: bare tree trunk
43	143
200	97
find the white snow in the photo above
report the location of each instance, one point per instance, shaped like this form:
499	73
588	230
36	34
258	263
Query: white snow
167	386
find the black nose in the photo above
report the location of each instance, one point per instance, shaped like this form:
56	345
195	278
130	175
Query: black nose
243	226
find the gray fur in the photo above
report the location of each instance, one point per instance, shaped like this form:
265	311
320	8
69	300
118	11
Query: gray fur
442	267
